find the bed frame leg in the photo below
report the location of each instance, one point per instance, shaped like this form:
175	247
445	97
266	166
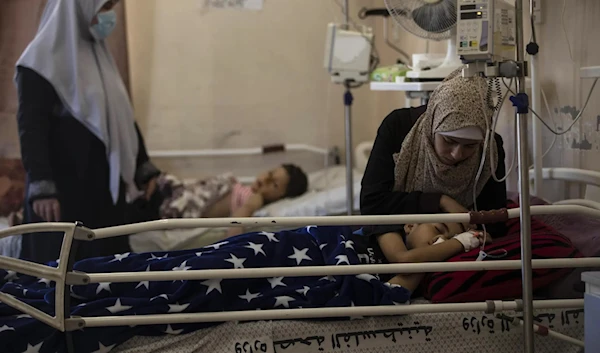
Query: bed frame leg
67	307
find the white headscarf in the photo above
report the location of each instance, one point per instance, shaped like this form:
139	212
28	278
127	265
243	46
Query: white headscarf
85	77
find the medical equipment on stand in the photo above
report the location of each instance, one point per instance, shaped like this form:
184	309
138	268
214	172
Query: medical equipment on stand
413	90
349	61
486	31
490	37
432	20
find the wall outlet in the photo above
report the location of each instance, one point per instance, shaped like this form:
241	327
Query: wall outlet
537	12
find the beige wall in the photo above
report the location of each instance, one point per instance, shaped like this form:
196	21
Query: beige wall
234	79
14	37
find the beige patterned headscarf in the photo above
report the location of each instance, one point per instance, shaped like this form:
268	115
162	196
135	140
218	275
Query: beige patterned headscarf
454	105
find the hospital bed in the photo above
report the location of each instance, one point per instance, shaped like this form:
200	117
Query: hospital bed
326	196
415	327
326	193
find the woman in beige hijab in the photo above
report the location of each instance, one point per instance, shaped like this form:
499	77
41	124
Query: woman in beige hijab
425	159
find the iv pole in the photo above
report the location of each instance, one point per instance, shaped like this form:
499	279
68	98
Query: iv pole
348	98
522	104
518	70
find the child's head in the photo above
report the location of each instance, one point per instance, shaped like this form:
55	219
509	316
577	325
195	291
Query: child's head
425	234
287	180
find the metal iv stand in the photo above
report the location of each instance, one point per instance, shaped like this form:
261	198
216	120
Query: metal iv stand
521	102
348	98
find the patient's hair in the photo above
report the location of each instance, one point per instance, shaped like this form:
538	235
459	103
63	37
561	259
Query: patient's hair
298	183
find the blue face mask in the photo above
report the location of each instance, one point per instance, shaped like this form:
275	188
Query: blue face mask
107	21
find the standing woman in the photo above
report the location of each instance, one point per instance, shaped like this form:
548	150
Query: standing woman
425	159
80	145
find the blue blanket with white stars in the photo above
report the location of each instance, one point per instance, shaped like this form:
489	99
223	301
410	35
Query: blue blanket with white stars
310	246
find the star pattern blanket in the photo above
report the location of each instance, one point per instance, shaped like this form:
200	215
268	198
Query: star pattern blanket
308	246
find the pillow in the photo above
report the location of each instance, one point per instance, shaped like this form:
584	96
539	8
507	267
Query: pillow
474	286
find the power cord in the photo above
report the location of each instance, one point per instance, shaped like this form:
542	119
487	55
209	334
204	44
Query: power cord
575	120
489	134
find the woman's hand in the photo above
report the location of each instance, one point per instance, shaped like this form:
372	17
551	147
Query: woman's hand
448	204
47	209
149	188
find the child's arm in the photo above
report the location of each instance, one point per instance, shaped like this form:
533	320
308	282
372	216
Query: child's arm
253	204
396	252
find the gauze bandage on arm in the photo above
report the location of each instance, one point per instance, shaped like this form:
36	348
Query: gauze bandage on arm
469	240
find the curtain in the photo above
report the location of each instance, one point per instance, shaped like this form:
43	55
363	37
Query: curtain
18	24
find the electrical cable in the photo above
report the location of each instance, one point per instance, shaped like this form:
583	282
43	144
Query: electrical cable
575	120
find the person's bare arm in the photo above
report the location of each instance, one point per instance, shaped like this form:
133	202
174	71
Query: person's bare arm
254	203
395	251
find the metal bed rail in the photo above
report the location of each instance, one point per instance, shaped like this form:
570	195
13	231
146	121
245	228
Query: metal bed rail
331	155
234	152
58	274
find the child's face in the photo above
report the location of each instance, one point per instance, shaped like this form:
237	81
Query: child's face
420	235
272	184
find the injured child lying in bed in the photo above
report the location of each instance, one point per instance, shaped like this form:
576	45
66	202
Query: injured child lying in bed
219	196
308	246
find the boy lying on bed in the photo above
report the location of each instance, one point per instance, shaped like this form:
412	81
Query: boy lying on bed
427	242
217	197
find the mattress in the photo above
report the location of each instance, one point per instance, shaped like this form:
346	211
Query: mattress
415	333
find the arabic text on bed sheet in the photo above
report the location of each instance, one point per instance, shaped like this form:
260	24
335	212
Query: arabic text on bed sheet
494	325
251	347
348	339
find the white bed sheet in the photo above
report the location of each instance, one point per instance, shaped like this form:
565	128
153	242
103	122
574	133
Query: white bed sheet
175	239
418	333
